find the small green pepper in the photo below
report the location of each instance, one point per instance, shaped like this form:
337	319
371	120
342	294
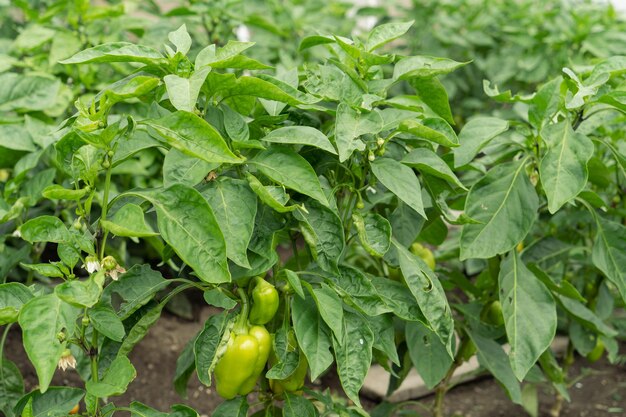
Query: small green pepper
424	253
264	302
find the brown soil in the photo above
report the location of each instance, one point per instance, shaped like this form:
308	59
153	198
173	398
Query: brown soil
600	391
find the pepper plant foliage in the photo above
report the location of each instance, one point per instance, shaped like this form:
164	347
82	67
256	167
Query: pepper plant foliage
193	171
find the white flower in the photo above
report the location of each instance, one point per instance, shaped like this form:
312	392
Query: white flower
91	264
67	360
17	233
114	273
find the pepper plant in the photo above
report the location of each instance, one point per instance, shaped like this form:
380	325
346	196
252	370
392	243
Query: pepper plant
303	203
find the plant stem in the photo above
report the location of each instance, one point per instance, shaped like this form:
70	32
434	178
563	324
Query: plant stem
555	411
93	353
105	205
4	339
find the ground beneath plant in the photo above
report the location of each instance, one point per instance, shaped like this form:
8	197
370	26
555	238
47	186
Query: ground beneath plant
599	391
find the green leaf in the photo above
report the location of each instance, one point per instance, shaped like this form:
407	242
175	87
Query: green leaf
205	349
216	297
475	135
27	92
81	294
398	298
331	309
585	316
433	93
505	193
115	380
41	319
386	33
136	287
55	402
106	322
237	407
350	124
117	52
374	232
193	136
429	294
354	356
424	67
298	406
323	232
433	129
13	296
188	225
303	135
11	386
183	92
400	180
428	354
293	280
141	322
492	357
427	161
181	168
609	252
180	39
359	290
546	103
529	314
130	87
45	229
312	334
234	205
287	356
228	56
291	170
185	366
128	221
563	169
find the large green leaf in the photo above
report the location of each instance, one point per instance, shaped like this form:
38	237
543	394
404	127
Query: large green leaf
128	221
27	92
303	135
41	320
563	169
475	135
427	161
354	356
494	359
313	335
188	225
428	354
529	314
234	205
609	252
505	193
55	402
433	93
400	180
115	380
429	294
193	136
11	386
385	33
183	92
424	67
350	124
374	232
136	287
323	231
116	52
291	170
433	129
13	296
207	344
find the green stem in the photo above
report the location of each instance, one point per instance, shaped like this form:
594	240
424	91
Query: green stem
294	249
105	206
94	363
4	339
242	321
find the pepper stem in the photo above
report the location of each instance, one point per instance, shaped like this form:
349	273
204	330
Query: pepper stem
241	325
